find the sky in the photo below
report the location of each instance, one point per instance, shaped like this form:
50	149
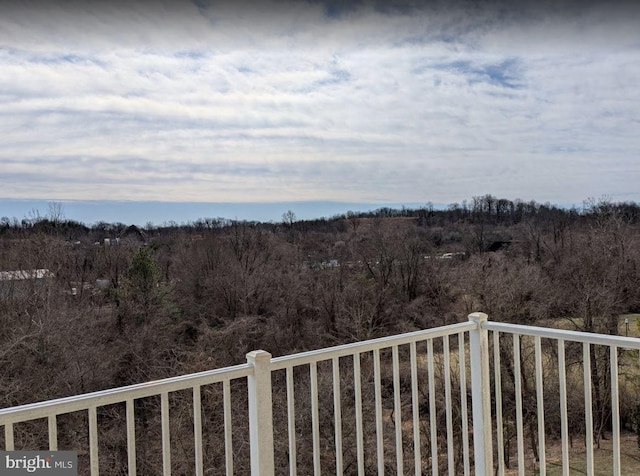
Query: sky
316	102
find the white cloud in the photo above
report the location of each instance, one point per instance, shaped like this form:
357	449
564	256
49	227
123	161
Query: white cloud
281	102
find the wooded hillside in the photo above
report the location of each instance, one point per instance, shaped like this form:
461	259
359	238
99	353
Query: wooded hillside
180	298
127	305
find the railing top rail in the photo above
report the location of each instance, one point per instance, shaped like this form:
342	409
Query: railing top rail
600	339
304	358
117	395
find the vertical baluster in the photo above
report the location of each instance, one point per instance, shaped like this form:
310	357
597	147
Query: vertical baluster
337	414
314	418
517	369
357	379
131	439
432	409
397	410
93	441
53	433
291	423
166	434
588	406
197	429
417	458
615	409
542	460
499	417
463	404
228	427
378	397
449	410
564	428
8	437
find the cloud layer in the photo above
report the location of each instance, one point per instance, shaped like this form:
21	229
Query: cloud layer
285	101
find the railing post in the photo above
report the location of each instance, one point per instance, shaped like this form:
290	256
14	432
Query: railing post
481	396
260	414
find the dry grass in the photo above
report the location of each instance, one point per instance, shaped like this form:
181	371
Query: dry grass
603	458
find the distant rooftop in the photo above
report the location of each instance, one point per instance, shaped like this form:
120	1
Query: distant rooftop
25	274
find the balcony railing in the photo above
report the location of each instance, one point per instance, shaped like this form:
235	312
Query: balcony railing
458	399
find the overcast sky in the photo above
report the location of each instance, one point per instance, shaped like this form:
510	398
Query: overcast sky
287	101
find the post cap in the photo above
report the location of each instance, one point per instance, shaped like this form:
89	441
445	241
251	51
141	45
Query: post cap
258	356
478	317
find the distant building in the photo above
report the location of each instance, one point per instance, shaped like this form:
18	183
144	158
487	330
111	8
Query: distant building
22	275
132	235
21	283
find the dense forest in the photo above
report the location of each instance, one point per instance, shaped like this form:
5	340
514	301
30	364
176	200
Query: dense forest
121	304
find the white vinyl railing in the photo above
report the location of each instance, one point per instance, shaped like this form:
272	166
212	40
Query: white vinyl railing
370	352
558	341
91	402
394	405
